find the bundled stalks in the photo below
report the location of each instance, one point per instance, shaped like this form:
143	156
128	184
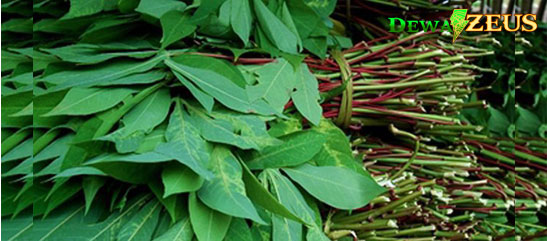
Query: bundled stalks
449	178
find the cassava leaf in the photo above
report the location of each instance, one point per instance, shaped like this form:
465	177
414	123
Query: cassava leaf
142	225
238	231
79	8
241	19
93	54
306	96
226	191
140	120
184	143
203	98
219	87
277	32
85	101
275	83
259	195
91	186
178	178
297	148
180	231
157	8
175	25
328	183
336	151
208	224
243	131
98	75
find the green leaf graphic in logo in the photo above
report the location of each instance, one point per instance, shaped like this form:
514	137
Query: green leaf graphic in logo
458	22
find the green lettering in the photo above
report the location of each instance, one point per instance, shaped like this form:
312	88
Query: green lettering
412	26
426	25
392	27
446	26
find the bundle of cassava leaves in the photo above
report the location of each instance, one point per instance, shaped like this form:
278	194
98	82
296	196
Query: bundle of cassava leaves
220	120
122	121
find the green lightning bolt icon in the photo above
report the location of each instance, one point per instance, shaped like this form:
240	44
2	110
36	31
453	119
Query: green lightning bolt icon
458	22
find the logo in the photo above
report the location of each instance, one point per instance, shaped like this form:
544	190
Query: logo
461	21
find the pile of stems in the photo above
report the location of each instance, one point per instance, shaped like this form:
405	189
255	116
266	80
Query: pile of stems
447	178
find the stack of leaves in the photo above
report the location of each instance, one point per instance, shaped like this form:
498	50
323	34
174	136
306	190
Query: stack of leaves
136	127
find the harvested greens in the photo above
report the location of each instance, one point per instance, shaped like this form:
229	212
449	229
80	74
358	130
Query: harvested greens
282	120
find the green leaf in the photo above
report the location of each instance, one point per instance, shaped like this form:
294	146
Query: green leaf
280	128
527	122
23	168
79	171
12	60
13	228
184	143
498	122
289	196
241	19
297	148
306	96
139	78
218	86
226	191
204	99
279	34
239	231
178	178
69	224
208	224
286	18
261	232
57	148
275	83
140	120
180	231
175	26
20	151
98	75
60	195
305	18
85	101
18	25
329	183
79	8
92	54
286	229
316	234
13	104
173	205
205	9
232	128
129	168
336	151
157	8
316	45
259	195
91	186
127	6
142	225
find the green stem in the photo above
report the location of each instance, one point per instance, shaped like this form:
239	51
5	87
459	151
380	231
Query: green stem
426	82
381	210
